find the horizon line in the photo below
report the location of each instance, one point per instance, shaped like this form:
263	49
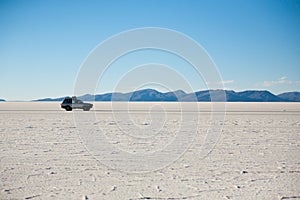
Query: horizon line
157	90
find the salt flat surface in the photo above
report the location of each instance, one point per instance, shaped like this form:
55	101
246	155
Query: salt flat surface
48	153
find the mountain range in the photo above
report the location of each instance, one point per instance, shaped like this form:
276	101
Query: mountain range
201	96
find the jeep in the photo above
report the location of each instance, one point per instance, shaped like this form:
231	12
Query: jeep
73	103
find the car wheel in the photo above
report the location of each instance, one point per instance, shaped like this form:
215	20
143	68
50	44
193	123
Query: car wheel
68	108
86	109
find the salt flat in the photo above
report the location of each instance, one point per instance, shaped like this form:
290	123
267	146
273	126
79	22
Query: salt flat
48	153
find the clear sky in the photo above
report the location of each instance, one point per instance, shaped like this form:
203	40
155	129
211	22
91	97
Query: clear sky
255	44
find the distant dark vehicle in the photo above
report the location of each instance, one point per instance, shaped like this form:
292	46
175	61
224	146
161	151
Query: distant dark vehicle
73	103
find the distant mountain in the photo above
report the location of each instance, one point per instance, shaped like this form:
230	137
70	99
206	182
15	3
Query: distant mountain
152	95
50	99
206	95
201	96
177	95
2	100
140	95
218	95
232	96
290	96
259	96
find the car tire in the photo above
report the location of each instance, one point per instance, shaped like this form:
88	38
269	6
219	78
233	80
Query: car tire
86	109
68	108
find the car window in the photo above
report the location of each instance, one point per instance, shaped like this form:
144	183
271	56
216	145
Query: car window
67	101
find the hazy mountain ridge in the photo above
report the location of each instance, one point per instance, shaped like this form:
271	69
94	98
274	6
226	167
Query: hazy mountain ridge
292	96
2	99
201	96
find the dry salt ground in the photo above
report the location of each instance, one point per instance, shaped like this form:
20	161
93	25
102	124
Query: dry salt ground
48	153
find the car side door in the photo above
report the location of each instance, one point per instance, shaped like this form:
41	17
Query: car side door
75	104
78	104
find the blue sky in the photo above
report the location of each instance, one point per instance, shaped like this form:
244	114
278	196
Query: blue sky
255	44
